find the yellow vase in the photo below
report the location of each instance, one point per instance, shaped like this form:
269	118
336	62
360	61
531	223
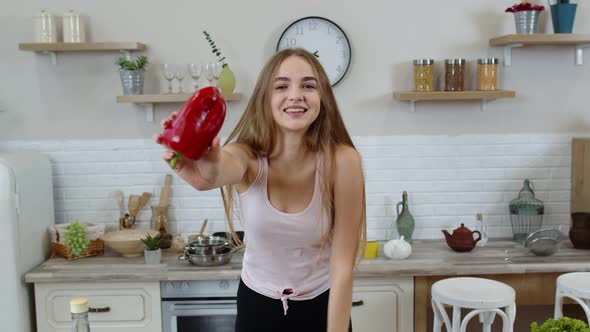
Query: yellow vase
227	80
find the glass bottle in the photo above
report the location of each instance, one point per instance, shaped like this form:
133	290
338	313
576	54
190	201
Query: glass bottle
454	74
79	311
487	74
526	213
405	221
483	230
423	75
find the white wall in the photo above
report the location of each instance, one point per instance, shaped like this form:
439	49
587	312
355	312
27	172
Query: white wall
448	179
453	159
76	98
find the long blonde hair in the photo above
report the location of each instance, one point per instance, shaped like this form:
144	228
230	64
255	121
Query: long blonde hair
256	129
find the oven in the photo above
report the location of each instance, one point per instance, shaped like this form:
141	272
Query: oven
199	305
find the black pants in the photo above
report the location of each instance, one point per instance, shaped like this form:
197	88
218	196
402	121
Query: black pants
258	313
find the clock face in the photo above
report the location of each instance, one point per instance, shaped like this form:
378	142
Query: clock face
324	39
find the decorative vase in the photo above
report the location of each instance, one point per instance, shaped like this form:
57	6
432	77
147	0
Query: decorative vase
405	221
227	80
153	257
132	81
562	16
580	231
526	213
527	21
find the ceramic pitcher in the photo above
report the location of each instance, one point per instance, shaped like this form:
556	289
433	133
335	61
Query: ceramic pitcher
405	220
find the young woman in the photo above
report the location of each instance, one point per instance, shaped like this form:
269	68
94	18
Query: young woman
300	188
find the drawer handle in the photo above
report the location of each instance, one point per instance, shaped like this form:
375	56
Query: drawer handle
357	303
105	309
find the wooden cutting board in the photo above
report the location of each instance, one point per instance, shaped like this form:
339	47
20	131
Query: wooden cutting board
580	175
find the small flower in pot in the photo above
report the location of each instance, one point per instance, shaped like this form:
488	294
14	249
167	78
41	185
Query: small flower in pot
526	16
131	72
152	253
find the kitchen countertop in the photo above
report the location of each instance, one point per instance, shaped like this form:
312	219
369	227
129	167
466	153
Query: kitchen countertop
429	258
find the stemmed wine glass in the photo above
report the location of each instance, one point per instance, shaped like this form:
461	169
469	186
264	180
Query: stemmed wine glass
195	70
217	68
179	75
168	74
209	71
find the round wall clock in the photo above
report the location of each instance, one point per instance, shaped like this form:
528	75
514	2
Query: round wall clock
325	39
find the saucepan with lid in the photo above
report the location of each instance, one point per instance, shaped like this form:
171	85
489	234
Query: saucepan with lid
221	257
207	245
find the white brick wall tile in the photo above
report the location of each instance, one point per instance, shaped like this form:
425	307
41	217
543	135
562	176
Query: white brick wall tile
448	178
560	196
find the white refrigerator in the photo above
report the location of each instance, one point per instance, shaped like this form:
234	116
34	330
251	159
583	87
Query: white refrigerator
26	211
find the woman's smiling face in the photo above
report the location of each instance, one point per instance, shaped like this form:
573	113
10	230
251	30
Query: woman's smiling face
295	97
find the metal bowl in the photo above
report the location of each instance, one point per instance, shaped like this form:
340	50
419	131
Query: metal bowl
210	245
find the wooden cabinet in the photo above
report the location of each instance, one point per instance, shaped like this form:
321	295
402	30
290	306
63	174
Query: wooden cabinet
122	306
383	304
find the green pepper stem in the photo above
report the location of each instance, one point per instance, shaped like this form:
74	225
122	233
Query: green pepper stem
174	159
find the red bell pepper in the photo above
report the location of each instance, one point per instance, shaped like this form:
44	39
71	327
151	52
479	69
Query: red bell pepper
198	122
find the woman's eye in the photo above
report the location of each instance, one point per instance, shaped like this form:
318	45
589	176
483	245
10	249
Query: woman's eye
280	87
309	86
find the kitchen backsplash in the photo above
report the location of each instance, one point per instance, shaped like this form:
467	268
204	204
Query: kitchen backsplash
448	179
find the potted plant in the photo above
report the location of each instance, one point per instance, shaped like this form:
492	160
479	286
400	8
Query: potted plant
131	72
152	253
562	324
526	16
227	80
563	13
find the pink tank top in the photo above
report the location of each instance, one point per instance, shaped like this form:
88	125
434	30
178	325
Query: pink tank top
283	250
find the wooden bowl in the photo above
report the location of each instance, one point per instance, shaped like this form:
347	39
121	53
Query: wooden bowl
127	242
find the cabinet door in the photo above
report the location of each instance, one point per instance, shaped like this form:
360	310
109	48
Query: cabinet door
122	306
383	305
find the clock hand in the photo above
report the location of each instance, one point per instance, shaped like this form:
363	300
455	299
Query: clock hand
316	54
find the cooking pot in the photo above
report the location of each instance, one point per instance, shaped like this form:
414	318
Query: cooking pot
209	245
221	258
229	237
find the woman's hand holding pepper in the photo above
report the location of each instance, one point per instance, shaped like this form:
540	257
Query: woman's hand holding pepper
199	173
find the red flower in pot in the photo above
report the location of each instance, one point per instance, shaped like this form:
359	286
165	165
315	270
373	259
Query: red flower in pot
525	5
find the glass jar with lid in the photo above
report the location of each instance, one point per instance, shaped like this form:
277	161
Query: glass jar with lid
423	75
487	74
454	74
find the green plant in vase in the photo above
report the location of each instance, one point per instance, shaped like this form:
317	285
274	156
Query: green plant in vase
152	243
152	253
131	72
227	80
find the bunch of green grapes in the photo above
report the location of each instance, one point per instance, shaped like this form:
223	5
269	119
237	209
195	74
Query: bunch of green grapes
75	238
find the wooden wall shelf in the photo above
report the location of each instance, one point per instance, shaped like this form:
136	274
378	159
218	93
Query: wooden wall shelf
52	48
579	41
483	96
149	100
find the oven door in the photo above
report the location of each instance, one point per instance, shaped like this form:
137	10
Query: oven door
190	315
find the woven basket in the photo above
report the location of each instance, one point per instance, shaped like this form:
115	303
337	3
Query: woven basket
93	233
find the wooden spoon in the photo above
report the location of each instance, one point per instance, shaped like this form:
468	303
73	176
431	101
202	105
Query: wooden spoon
203	226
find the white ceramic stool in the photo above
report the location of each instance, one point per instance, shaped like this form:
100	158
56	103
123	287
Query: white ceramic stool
486	297
576	286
